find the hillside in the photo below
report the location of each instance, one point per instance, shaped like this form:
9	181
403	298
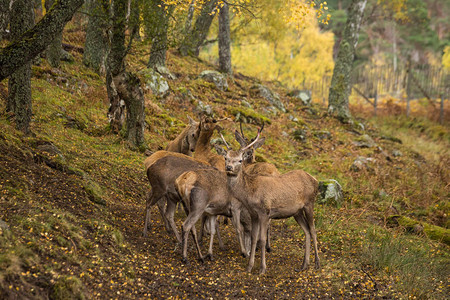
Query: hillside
72	197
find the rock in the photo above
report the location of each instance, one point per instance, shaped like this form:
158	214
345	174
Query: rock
292	118
219	80
330	192
392	139
284	134
164	71
323	134
302	95
206	109
49	148
264	92
66	56
382	194
396	153
246	104
3	225
155	82
365	141
299	135
361	163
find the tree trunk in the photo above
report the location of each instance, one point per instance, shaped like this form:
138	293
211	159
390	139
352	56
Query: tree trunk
53	52
4	17
189	17
340	83
35	41
19	84
196	37
96	40
126	85
224	41
160	24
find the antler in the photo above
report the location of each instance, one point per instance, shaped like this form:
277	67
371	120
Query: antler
225	142
242	132
252	143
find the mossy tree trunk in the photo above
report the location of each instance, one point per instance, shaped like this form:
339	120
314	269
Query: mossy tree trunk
96	39
127	85
53	52
224	40
196	37
4	17
340	83
35	40
189	17
158	27
19	84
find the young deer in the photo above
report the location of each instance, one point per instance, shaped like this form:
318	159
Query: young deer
185	142
272	197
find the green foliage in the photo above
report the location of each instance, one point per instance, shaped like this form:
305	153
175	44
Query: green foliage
68	287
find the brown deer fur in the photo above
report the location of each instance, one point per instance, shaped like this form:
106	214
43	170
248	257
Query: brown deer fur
273	197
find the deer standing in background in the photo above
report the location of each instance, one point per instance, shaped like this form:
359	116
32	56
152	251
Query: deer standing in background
186	141
207	126
272	197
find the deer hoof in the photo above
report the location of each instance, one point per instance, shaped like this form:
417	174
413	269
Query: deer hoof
209	257
185	261
317	265
244	255
202	260
268	249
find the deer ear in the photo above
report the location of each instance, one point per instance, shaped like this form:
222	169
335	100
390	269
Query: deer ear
259	143
220	150
248	155
240	139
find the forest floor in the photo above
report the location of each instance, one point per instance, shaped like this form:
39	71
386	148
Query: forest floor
72	197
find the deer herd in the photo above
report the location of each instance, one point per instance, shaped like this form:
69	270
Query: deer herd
231	184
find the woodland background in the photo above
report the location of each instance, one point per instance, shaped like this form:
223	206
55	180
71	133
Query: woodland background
72	183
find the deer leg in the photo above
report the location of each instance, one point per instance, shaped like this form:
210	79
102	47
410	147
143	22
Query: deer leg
236	220
264	221
255	236
147	213
300	218
212	230
309	214
194	213
219	237
268	248
202	227
170	211
162	209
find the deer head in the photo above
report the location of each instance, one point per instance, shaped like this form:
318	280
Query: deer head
235	159
190	141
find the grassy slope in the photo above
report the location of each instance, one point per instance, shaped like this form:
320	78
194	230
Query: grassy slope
75	218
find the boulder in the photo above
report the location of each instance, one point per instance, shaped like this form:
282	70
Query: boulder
3	225
303	95
205	109
330	192
362	163
260	90
219	80
155	82
396	153
365	141
164	71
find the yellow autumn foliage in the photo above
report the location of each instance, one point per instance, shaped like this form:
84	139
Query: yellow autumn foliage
446	58
274	47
